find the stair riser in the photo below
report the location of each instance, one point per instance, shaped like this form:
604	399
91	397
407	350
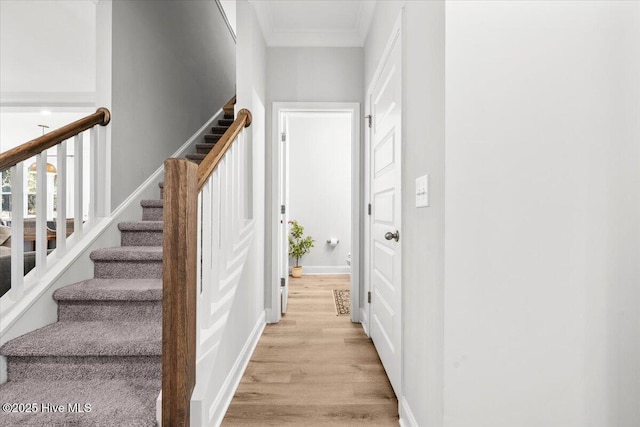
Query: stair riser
109	310
141	238
77	368
152	214
212	138
128	270
219	129
225	122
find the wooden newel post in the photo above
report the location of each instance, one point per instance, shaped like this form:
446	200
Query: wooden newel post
179	287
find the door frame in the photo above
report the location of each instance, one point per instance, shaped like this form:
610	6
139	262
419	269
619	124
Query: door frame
278	109
396	36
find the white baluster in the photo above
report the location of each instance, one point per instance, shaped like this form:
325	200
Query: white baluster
93	169
205	254
214	220
218	207
41	213
224	216
242	161
78	185
61	202
103	186
234	191
17	230
200	316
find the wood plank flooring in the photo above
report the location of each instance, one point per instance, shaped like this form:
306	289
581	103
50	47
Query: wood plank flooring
314	368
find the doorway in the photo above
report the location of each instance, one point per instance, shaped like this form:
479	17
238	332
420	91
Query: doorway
336	230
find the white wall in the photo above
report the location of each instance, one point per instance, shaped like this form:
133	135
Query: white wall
47	46
542	214
314	74
422	238
320	186
173	65
318	74
252	94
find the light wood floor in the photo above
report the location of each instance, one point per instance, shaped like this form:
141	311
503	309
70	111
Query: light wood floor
314	368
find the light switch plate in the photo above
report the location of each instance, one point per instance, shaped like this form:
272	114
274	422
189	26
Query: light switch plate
422	191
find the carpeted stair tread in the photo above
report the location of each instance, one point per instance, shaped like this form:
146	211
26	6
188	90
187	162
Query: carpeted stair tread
152	210
114	403
141	226
152	203
141	233
225	122
98	338
111	290
219	129
212	137
128	253
198	157
205	146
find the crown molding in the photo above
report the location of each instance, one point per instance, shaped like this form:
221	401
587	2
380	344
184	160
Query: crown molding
354	37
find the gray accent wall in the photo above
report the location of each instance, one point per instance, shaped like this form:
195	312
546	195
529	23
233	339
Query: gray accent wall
173	67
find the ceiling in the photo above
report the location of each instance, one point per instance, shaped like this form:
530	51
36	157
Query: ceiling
314	22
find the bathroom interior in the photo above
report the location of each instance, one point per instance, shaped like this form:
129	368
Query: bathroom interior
319	187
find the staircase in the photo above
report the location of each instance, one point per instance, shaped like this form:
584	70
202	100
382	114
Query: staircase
100	363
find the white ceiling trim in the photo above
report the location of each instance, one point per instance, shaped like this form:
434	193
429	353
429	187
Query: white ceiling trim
314	39
326	37
38	100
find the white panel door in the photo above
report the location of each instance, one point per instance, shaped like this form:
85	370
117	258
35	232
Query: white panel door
385	174
284	216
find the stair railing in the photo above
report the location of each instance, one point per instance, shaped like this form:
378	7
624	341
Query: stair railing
206	219
35	231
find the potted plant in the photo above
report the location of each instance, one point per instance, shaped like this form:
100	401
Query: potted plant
298	246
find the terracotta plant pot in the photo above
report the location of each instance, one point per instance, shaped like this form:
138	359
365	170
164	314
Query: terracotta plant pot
296	272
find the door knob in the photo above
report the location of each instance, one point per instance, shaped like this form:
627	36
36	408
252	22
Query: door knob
395	236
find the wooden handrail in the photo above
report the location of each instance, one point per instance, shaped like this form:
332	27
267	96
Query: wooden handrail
9	158
210	162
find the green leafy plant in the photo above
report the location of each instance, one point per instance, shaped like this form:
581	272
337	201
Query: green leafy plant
298	244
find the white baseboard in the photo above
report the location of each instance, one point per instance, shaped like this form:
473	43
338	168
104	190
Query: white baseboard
364	321
406	415
326	269
231	383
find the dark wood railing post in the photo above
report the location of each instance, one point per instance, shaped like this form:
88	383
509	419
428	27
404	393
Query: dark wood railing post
179	279
183	181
